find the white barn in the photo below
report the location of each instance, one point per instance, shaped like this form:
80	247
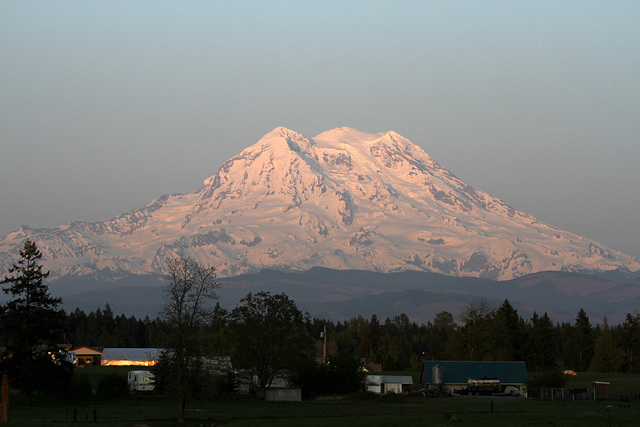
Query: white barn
383	384
130	356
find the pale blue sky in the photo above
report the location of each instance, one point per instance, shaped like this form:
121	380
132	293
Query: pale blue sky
107	105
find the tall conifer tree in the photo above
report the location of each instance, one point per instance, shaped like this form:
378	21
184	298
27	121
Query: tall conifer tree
631	341
606	357
30	326
581	342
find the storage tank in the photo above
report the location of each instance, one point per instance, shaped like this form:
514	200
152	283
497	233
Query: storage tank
436	375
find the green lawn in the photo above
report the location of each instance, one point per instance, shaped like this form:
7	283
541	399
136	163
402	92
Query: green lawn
95	373
159	411
619	384
153	410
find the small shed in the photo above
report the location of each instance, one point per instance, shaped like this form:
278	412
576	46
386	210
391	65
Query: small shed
382	384
87	355
130	356
600	390
455	375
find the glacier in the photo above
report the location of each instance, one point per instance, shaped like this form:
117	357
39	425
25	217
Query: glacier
343	199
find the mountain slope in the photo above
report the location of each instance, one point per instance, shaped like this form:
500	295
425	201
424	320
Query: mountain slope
342	200
344	294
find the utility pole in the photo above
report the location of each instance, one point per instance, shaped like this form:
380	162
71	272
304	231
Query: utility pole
324	344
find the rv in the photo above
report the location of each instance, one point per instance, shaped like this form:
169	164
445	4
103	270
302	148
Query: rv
141	381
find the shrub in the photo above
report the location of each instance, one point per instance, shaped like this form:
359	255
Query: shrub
392	397
80	387
113	385
340	375
363	395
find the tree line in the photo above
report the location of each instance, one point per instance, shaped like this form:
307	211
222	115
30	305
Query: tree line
479	332
268	337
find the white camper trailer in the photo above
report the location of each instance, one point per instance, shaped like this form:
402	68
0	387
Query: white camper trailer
141	381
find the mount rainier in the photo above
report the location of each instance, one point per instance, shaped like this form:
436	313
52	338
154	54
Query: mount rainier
342	200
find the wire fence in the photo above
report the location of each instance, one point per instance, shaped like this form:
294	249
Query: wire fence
567	394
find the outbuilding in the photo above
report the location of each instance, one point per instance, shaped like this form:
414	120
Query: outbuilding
87	355
383	384
461	376
130	356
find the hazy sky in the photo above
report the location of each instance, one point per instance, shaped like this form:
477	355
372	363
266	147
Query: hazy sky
107	105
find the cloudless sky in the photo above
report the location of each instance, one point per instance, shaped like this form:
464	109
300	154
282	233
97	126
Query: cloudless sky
105	105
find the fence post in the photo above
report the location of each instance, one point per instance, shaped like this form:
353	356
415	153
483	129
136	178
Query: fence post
4	408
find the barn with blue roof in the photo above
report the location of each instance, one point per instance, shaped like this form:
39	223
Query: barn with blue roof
455	376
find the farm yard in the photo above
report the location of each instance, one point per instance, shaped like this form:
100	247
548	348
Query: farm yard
622	409
267	335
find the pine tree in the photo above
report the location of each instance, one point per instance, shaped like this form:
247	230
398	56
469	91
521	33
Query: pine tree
580	343
606	356
371	338
543	351
508	333
631	341
30	325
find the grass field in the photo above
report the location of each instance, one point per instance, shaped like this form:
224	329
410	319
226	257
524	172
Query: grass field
154	410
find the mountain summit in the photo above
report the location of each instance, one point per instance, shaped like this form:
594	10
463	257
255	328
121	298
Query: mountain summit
342	200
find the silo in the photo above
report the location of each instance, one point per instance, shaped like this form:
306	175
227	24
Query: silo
436	375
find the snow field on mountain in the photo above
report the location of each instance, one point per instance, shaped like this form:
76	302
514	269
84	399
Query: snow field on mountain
343	200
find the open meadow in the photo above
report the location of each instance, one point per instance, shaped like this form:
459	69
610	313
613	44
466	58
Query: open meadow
623	409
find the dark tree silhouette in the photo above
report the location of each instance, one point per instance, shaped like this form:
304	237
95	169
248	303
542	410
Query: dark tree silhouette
268	337
30	326
189	295
580	343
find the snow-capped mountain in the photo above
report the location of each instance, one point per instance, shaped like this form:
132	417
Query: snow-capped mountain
342	200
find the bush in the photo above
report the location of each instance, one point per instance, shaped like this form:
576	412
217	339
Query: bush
200	379
80	387
340	375
226	384
113	385
363	395
392	397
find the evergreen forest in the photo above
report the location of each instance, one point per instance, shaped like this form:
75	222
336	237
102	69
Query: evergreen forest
478	332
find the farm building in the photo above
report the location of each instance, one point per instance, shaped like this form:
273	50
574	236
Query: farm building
130	356
218	365
383	384
87	355
463	375
371	367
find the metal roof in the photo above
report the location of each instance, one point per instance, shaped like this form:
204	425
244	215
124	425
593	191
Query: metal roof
85	351
458	372
387	379
134	354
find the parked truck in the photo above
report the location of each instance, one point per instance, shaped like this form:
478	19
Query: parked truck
141	381
481	386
